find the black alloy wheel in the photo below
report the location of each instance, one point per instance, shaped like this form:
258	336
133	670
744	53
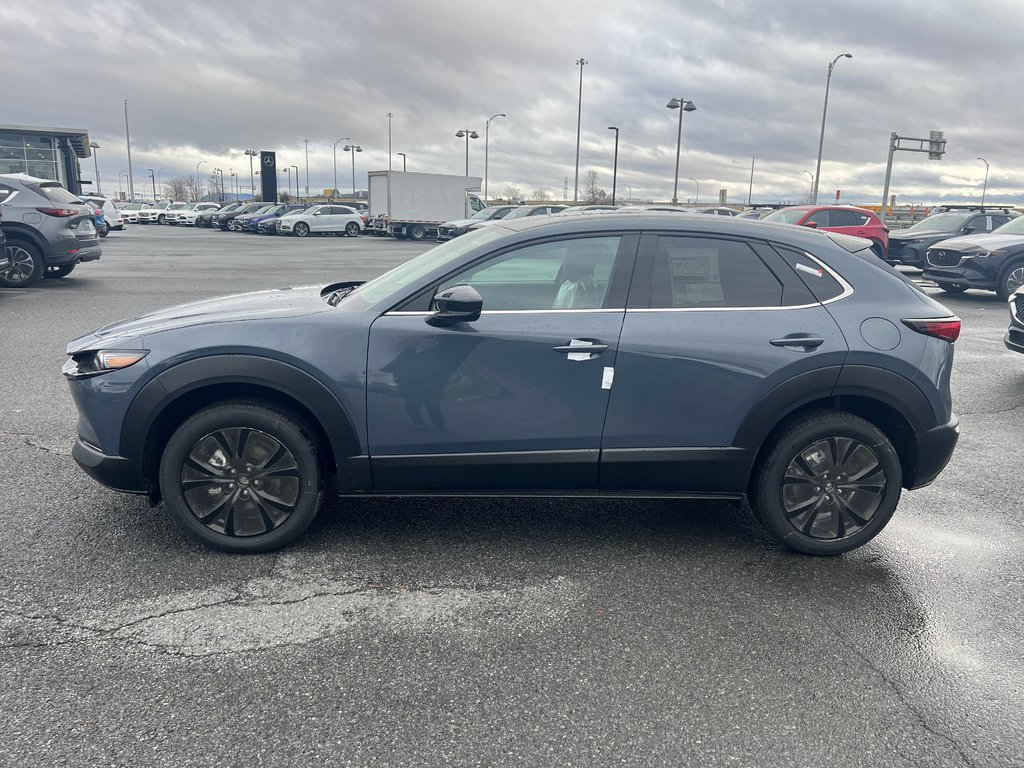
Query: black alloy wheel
242	476
62	270
301	229
26	265
1010	280
830	483
352	229
103	229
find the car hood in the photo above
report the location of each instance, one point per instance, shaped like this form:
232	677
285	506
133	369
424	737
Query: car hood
921	234
462	223
261	305
988	242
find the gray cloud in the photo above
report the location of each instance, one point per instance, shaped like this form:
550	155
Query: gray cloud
207	80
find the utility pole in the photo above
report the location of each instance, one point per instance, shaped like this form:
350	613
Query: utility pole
389	116
615	162
307	169
128	141
581	62
936	149
750	189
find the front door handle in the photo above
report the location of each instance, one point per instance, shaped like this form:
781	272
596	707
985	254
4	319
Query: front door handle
798	340
581	349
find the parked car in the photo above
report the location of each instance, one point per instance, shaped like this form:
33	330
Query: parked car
102	230
49	230
700	356
130	212
1014	339
211	217
521	212
322	220
908	246
451	229
990	262
225	219
268	225
187	216
844	219
5	260
243	220
755	213
251	221
719	210
654	208
111	215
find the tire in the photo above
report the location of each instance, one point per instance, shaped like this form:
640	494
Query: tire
952	287
209	492
417	232
1010	279
791	489
103	230
301	229
161	219
62	270
27	265
352	229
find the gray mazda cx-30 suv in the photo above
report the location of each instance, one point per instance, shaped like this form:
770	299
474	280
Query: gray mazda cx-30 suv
618	355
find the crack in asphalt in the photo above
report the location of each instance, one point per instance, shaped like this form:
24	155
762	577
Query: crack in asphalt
27	439
895	688
986	413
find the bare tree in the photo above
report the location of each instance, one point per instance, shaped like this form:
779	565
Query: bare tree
284	197
176	189
540	195
192	183
592	193
512	191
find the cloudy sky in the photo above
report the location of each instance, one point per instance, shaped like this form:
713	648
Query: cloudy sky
206	80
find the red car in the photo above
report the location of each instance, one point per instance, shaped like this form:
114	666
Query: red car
844	219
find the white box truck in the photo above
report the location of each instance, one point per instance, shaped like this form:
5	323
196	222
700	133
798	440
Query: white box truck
412	205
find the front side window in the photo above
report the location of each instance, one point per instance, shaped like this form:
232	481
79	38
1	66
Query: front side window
563	274
821	218
699	273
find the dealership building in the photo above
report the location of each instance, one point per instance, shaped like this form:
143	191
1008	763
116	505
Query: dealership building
47	153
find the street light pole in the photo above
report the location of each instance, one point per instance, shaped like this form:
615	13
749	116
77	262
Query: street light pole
469	135
158	184
251	153
96	165
307	172
288	179
128	141
810	191
353	148
403	165
152	178
346	138
697	198
296	177
120	189
580	62
824	112
683	105
615	162
487	128
984	189
389	116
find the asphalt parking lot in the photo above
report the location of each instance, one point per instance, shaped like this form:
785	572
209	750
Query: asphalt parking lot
488	632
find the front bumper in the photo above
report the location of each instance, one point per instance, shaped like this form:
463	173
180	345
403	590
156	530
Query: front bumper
1014	339
115	472
911	254
934	450
967	273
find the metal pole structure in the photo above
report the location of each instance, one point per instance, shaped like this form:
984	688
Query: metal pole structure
581	62
810	190
158	170
389	116
697	198
487	128
96	165
199	180
683	105
403	166
630	198
296	177
344	138
750	189
615	162
128	141
307	170
288	180
353	148
120	189
152	178
469	135
888	175
821	140
984	189
251	153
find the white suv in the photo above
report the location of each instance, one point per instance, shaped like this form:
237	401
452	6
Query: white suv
112	217
322	219
187	215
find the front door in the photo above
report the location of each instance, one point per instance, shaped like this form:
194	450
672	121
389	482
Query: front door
516	400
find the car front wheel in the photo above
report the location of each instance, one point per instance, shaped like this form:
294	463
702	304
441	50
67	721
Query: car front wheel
1011	279
301	229
352	229
829	483
242	476
26	265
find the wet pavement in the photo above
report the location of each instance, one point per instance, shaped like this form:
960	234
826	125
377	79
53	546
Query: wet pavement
488	632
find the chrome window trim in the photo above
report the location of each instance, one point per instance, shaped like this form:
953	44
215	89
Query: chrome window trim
518	312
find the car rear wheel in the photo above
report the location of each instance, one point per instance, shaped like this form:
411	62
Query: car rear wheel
1010	280
103	229
352	229
301	229
62	270
26	265
242	476
417	232
161	219
829	483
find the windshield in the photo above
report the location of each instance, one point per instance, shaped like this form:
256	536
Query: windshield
1012	227
518	213
940	222
485	213
402	277
787	215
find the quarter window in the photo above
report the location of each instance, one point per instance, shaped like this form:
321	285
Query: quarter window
818	280
706	273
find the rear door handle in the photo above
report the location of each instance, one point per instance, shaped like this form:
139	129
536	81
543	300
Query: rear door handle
798	340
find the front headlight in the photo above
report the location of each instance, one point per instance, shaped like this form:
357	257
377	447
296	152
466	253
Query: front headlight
94	362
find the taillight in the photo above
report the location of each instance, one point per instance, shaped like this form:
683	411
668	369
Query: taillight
946	328
62	213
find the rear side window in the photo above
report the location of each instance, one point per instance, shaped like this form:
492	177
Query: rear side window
847	218
55	193
5	192
819	281
691	272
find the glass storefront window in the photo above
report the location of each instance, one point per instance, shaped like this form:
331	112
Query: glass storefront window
12	140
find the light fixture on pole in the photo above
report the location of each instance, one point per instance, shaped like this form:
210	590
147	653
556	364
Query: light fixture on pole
296	177
152	178
581	63
824	112
199	181
984	189
487	128
615	162
697	198
251	153
683	105
389	116
344	138
402	154
96	165
353	148
469	135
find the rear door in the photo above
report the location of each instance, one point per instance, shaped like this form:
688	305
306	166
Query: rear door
713	325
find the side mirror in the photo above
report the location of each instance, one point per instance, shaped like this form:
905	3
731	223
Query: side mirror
811	224
458	304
